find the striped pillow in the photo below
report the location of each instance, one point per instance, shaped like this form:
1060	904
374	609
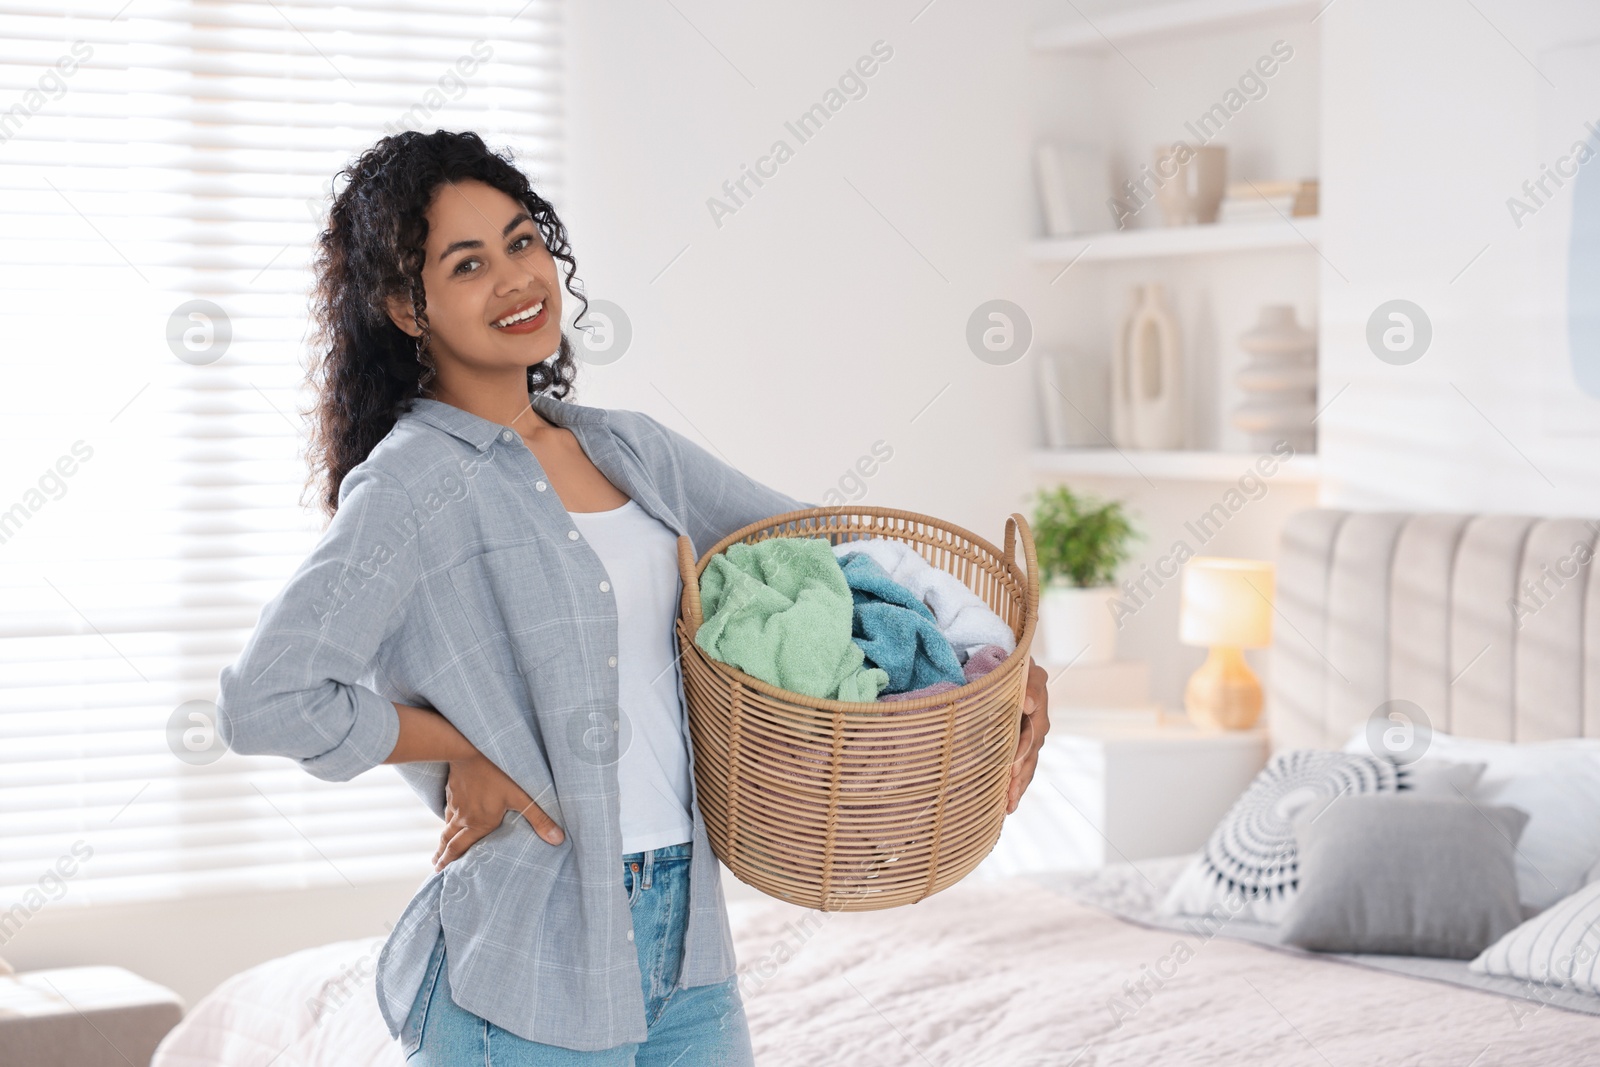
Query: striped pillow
1560	946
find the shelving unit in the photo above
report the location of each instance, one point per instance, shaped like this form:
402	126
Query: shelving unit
1216	277
1194	465
1156	243
1167	22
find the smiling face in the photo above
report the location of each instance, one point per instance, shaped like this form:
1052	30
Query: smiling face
486	274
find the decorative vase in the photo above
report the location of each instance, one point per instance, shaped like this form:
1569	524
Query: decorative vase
1279	382
1172	194
1147	375
1077	624
1193	191
1121	413
1209	172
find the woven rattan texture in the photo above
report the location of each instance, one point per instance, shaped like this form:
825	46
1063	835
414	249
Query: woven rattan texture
845	806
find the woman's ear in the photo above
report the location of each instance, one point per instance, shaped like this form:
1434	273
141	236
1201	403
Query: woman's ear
401	315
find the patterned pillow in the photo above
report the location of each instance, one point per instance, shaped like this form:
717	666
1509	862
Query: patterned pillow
1248	869
1557	947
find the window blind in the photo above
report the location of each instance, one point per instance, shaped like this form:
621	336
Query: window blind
165	168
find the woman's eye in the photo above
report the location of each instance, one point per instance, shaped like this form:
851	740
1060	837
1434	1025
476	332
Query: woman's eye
462	264
525	237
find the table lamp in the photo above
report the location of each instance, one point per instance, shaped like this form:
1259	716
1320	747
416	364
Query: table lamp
1226	607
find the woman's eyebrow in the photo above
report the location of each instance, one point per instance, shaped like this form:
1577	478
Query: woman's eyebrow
456	246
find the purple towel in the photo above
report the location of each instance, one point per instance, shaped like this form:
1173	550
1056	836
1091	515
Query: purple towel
980	663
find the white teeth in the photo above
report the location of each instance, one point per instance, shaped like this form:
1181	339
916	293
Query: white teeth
521	316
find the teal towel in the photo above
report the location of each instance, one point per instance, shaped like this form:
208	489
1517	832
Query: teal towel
779	610
896	630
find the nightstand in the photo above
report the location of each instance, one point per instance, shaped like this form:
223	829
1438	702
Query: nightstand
1123	785
83	1017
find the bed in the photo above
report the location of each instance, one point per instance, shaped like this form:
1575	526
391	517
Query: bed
1080	967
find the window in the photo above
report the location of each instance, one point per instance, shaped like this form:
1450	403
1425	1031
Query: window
164	168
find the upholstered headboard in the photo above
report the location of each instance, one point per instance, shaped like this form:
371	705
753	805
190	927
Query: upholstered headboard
1489	623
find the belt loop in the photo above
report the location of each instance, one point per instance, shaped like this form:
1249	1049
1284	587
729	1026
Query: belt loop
649	865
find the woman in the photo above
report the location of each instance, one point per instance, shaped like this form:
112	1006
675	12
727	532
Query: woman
458	618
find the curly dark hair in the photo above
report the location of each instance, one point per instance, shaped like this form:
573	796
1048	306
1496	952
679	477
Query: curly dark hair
364	370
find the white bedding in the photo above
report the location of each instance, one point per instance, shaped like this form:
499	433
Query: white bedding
1004	972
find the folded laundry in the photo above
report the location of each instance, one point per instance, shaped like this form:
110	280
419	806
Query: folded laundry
980	663
896	630
780	610
961	615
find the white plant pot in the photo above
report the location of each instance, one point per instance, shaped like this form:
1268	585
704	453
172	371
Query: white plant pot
1076	624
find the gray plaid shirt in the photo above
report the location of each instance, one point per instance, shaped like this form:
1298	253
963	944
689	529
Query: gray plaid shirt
452	577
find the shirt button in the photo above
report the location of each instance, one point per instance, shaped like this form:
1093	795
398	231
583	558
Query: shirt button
540	486
572	535
505	435
630	935
605	587
611	661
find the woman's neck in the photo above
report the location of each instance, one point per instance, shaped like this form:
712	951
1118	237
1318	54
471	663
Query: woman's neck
495	403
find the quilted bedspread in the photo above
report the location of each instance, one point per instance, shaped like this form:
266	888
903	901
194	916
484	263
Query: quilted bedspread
1011	972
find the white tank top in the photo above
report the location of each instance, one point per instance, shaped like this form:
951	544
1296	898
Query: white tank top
640	556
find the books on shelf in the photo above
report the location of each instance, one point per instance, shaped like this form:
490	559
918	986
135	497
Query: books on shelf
1074	186
1268	201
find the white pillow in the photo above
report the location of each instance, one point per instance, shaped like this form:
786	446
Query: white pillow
1556	782
1557	947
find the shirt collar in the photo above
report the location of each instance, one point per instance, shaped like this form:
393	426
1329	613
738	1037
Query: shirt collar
480	432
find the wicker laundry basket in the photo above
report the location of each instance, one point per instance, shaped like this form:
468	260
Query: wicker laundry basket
844	806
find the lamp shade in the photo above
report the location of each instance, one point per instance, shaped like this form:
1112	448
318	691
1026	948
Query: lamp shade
1226	602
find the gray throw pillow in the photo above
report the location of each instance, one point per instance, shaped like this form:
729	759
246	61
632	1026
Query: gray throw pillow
1441	779
1405	876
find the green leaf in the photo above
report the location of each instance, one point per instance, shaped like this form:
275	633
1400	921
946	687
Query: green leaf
1081	538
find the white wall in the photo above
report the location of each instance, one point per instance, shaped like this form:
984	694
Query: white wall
831	309
1434	116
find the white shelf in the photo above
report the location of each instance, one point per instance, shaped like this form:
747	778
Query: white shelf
1167	22
1164	241
1194	466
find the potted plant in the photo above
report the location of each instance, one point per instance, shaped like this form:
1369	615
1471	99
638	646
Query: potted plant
1080	542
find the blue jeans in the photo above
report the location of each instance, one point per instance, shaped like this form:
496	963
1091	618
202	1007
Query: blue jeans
701	1026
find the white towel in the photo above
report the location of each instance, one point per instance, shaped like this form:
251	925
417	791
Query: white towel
961	615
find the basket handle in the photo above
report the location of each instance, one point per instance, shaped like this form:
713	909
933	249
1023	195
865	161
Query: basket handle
1017	528
691	584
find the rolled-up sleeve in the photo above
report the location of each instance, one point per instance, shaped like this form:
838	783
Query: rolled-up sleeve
293	690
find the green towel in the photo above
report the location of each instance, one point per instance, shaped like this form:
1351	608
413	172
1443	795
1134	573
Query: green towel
779	610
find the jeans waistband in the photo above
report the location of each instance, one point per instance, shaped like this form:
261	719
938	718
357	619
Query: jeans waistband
681	850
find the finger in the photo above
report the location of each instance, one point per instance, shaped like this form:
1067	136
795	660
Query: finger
1021	777
1038	678
1018	787
452	826
542	823
442	855
1022	771
1024	740
457	845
